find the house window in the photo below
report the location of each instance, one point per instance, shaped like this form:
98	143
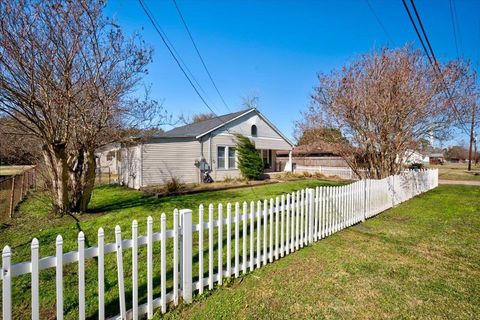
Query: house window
231	158
221	157
226	158
254	131
110	155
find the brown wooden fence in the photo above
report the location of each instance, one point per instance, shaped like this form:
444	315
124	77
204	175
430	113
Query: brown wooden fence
13	189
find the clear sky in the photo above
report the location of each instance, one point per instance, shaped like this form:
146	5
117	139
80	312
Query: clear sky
276	48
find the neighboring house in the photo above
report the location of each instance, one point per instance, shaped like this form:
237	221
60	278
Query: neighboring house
108	158
415	157
437	158
319	154
208	146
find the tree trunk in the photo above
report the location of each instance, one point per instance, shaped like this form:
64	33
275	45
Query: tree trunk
82	180
56	162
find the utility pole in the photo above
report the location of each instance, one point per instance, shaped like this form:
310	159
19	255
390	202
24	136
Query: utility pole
472	136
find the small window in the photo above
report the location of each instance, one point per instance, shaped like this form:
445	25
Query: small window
254	130
221	157
110	155
231	158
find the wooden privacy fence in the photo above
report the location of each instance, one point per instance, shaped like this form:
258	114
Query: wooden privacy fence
245	237
13	189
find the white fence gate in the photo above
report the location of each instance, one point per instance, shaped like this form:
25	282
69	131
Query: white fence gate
256	234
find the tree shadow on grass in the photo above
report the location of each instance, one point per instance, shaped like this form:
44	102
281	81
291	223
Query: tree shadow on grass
145	201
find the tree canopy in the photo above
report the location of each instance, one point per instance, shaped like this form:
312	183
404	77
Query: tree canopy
384	103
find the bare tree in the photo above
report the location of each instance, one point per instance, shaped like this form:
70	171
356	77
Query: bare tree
384	103
66	75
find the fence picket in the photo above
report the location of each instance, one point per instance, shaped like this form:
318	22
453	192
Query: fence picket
229	240
277	222
252	233
210	246
220	244
120	280
81	275
282	224
237	234
265	223
287	225
59	277
297	221
149	268
244	238
270	253
259	233
163	263
135	269
100	274
200	249
302	216
6	284
35	248
175	257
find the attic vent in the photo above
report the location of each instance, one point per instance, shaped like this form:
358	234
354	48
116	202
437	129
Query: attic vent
254	130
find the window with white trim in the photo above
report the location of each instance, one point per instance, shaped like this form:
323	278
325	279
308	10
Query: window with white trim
221	157
231	158
226	157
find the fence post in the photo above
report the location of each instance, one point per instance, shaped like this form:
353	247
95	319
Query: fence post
6	284
186	215
22	189
12	197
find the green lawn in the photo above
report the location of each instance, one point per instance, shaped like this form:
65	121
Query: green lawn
111	205
458	171
420	260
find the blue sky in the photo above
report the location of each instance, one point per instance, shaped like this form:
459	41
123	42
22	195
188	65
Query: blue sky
276	48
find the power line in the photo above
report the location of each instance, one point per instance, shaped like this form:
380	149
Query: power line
454	27
433	60
199	55
417	32
171	50
380	22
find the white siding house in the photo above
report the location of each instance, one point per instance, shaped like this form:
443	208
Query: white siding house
187	152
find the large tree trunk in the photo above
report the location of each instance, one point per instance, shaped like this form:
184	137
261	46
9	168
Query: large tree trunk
57	166
83	180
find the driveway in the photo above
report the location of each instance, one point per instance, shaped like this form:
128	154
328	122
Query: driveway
464	182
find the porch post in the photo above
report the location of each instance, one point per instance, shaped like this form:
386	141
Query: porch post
290	161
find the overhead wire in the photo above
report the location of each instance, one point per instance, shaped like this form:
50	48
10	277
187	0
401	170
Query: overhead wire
199	55
379	21
432	59
171	50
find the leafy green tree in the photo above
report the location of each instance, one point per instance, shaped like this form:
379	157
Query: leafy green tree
249	161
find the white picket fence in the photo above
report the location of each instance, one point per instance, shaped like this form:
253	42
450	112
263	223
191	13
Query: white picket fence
262	233
341	172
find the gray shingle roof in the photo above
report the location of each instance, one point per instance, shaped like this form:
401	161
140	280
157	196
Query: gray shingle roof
196	129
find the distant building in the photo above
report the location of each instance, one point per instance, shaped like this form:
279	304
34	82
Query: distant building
318	154
437	158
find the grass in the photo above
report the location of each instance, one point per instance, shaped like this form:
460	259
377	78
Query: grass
420	260
111	205
458	171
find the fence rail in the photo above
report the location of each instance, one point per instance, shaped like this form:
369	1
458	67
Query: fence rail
248	236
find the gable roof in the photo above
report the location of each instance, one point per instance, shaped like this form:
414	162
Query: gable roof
199	129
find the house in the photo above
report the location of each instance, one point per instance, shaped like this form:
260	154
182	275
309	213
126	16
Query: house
415	157
107	158
437	158
319	154
190	152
